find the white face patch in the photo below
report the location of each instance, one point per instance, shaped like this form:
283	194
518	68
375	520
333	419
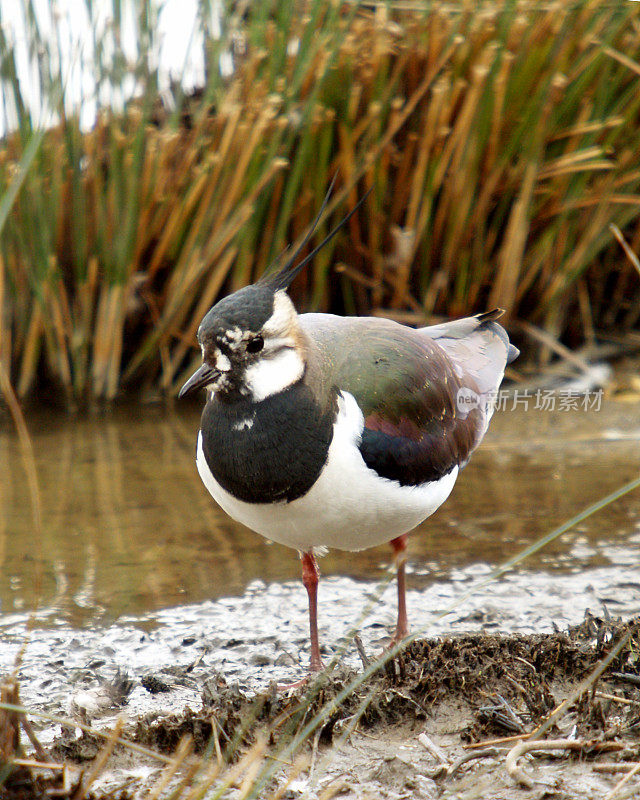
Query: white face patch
222	362
281	364
269	376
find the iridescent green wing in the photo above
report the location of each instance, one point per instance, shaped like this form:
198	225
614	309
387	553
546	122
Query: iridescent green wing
408	388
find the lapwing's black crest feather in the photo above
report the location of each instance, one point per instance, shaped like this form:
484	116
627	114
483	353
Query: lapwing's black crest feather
284	277
250	307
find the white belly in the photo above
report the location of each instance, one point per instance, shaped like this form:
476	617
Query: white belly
350	507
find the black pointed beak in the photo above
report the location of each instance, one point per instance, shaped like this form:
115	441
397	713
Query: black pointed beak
201	377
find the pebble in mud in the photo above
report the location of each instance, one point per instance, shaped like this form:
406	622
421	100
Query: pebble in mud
154	685
109	694
261	659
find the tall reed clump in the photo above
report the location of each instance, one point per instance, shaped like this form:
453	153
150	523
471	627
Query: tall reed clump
500	141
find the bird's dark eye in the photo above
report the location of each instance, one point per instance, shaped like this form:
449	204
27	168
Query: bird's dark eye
255	345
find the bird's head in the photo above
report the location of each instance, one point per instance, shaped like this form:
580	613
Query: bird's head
251	341
251	345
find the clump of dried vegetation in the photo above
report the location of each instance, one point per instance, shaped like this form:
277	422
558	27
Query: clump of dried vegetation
509	687
500	140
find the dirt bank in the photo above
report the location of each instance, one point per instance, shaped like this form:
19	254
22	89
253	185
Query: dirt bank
428	724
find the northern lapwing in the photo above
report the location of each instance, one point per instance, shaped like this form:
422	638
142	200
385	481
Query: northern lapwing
322	431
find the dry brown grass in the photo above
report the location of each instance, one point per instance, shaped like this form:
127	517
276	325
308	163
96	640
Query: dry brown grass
501	143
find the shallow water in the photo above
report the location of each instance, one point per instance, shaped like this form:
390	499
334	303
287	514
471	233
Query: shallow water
128	528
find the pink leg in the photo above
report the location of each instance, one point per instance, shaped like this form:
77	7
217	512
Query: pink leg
400	551
310	574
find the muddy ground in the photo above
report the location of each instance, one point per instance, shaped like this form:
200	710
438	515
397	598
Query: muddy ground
408	730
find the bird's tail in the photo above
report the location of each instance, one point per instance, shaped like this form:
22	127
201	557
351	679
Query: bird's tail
478	345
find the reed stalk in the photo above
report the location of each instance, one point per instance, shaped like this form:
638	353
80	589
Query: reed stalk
502	148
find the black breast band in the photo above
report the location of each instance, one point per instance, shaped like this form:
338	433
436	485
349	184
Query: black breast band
269	451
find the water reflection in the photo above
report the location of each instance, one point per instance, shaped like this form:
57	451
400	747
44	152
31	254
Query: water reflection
128	527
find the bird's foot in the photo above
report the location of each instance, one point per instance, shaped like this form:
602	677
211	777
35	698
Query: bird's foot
286	687
397	639
315	668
